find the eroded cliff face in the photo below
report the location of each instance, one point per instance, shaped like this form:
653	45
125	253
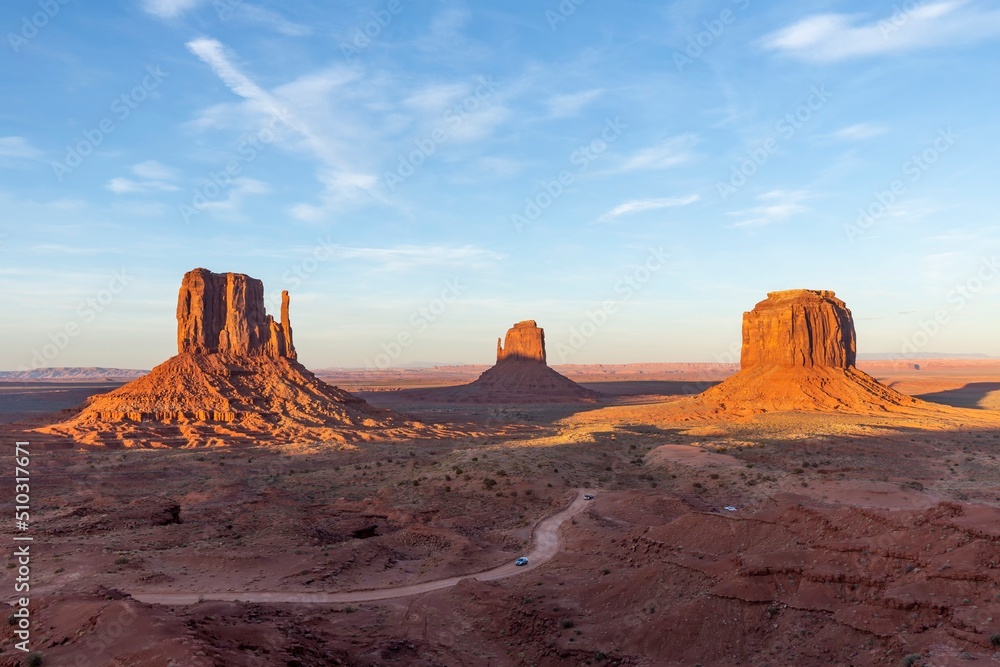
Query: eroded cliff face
524	341
808	328
224	313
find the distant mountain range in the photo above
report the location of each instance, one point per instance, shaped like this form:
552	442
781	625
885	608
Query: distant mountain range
98	373
92	373
884	356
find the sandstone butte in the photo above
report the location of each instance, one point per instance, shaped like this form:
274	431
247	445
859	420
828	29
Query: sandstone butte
235	380
521	373
799	352
525	340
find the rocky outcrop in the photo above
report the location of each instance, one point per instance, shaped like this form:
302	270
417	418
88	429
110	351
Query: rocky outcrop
235	381
224	313
524	341
798	354
519	376
799	328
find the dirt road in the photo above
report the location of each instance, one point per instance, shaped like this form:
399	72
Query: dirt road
546	545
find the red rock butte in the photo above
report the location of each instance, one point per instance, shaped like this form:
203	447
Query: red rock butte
799	352
235	380
521	374
224	313
525	340
799	328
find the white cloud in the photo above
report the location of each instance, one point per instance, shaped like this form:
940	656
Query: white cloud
860	132
436	98
413	256
445	30
168	9
254	15
156	178
668	154
564	106
18	148
777	206
316	129
154	170
125	186
236	195
832	37
640	205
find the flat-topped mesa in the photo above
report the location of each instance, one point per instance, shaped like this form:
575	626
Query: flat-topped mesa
224	313
808	328
524	341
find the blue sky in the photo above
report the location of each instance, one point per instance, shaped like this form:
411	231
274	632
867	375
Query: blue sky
420	176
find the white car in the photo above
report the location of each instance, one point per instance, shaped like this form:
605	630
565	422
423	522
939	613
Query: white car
588	496
523	560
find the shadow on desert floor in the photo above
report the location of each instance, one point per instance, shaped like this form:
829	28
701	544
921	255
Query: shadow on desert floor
969	396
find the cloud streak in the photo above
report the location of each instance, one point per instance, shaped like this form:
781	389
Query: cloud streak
640	205
833	37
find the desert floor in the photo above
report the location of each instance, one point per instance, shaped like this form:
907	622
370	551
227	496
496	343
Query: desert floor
789	539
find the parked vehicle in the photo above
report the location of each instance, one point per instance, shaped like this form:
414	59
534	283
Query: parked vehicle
523	560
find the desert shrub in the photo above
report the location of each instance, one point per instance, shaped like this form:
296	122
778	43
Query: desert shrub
34	660
995	639
567	624
911	660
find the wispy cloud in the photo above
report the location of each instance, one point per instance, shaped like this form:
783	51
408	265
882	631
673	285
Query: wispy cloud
155	177
640	205
259	16
168	9
236	196
670	153
860	132
565	106
831	37
776	206
295	104
17	150
445	30
416	256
